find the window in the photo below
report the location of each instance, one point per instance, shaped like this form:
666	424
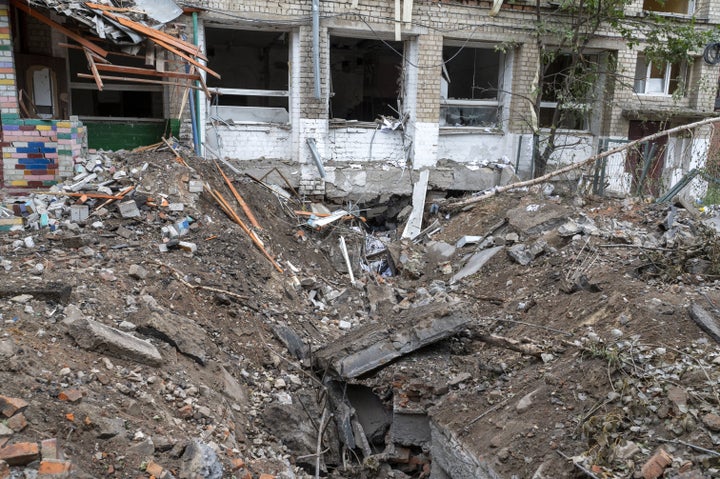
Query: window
652	78
568	86
366	77
683	7
471	86
117	99
254	74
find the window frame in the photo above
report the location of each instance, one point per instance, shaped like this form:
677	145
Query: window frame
586	107
497	103
218	92
667	78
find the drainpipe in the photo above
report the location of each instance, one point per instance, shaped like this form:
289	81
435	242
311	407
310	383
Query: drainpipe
316	44
200	134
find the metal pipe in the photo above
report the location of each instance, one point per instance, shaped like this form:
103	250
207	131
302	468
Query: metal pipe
316	45
196	42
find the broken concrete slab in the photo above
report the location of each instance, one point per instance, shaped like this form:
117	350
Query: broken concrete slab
475	262
451	459
95	336
706	321
292	341
414	224
373	346
178	331
534	219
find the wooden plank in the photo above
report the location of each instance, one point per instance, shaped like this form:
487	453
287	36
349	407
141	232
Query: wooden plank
93	68
113	9
146	71
190	59
68	33
138	80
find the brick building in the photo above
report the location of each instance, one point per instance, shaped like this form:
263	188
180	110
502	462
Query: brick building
385	89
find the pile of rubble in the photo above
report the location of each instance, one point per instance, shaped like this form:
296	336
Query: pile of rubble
161	320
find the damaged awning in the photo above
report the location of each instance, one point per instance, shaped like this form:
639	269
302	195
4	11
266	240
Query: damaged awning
154	12
138	24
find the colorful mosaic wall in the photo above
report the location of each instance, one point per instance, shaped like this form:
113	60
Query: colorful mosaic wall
35	153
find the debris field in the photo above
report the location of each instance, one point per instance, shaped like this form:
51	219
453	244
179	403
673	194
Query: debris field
162	316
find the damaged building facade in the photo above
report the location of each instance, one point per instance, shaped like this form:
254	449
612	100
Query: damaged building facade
351	104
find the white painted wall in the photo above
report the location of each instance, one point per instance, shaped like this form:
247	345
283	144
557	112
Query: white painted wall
352	145
248	141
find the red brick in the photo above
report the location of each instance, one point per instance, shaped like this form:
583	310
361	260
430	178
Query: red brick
54	469
237	463
655	466
155	469
20	454
266	476
4	470
48	449
72	395
9	406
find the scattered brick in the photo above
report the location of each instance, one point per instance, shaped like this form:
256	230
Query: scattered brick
20	454
48	449
4	470
154	469
237	463
9	406
266	476
186	411
655	466
70	417
54	469
18	422
71	395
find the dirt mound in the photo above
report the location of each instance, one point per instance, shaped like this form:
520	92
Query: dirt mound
155	337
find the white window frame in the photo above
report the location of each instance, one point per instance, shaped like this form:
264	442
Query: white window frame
690	10
666	79
497	104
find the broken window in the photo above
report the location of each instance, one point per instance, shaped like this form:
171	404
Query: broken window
117	99
366	78
254	70
683	7
568	84
657	78
471	86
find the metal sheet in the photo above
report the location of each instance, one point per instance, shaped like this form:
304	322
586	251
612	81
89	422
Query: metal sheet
162	11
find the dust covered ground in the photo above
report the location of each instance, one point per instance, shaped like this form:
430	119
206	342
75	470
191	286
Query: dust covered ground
578	354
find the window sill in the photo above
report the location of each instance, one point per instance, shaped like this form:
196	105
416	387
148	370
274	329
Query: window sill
121	119
367	125
565	131
470	130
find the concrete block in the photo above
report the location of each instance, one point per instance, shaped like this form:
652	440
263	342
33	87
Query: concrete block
79	213
94	336
410	428
195	186
475	262
128	209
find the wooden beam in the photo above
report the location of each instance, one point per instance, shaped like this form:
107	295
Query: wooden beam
138	80
190	59
147	72
68	33
93	68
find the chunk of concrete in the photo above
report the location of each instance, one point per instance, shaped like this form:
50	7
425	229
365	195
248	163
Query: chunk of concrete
475	262
95	336
374	345
180	332
453	459
440	251
705	321
200	460
55	292
537	218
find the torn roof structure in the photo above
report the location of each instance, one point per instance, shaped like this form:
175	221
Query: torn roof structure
153	13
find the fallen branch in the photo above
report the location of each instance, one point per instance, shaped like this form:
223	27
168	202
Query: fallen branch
691	446
530	349
120	195
541	179
318	452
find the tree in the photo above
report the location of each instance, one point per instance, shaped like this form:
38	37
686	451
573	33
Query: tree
569	71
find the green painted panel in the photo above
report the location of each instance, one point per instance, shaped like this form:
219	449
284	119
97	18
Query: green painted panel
124	136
